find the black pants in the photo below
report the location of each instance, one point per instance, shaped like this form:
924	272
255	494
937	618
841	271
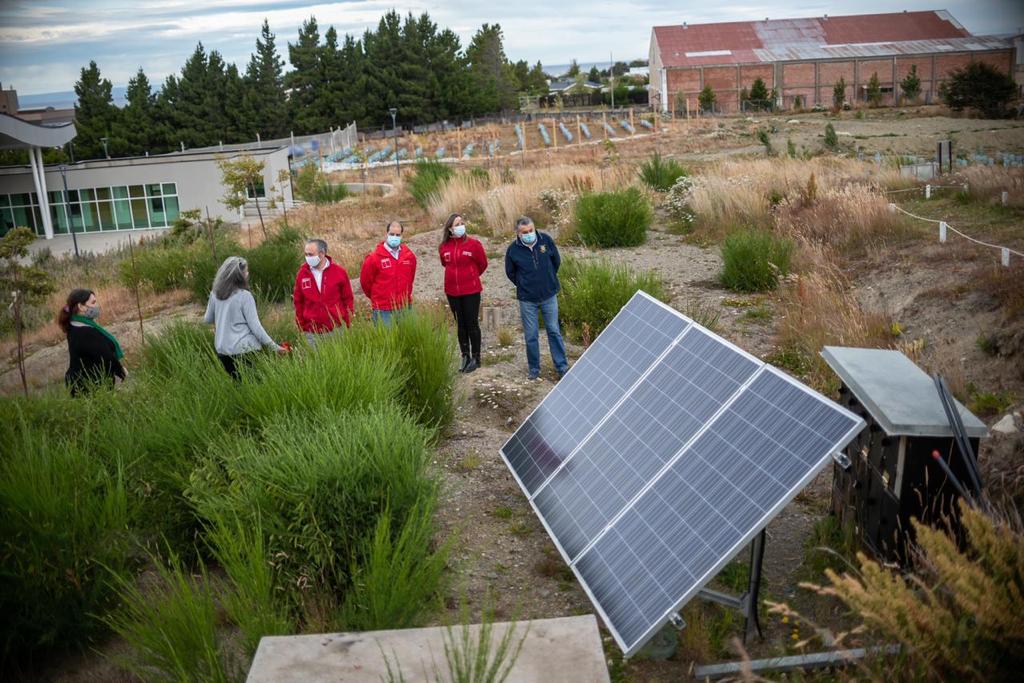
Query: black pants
233	363
467	317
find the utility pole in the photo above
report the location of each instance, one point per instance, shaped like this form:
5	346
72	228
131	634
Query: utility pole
393	111
67	215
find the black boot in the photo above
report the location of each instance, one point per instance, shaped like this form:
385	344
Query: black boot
465	362
473	364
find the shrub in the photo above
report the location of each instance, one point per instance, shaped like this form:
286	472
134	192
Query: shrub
63	534
979	86
428	179
959	617
395	574
911	84
753	260
660	174
594	291
311	185
839	94
171	628
613	219
272	266
707	98
831	139
319	482
252	595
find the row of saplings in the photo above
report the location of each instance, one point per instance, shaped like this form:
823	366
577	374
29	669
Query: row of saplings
192	515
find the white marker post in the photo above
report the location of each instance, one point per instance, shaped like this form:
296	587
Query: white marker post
1006	257
942	231
927	191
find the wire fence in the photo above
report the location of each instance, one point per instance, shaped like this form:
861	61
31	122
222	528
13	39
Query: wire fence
945	228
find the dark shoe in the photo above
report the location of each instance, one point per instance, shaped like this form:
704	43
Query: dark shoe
472	365
465	362
532	377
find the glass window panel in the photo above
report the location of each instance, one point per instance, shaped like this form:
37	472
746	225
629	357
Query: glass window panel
21	217
122	213
102	193
260	190
139	217
5	199
87	194
169	188
56	197
156	213
60	219
106	214
171	209
21	199
136	191
37	220
120	192
76	217
34	198
73	196
153	190
6	220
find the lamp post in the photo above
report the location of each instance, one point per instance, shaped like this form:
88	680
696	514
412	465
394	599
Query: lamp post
393	111
67	215
105	152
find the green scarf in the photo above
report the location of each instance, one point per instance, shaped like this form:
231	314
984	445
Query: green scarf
99	328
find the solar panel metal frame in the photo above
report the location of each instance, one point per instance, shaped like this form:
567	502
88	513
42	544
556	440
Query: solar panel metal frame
630	649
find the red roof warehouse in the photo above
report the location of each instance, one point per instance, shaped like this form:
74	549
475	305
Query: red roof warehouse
803	58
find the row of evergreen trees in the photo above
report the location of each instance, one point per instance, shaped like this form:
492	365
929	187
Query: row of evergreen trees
409	64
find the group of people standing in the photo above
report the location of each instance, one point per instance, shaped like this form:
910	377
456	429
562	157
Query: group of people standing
324	301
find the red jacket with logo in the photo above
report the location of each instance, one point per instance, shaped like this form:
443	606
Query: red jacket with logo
323	309
387	280
464	262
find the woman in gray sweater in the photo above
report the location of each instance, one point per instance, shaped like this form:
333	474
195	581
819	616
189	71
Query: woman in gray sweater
232	310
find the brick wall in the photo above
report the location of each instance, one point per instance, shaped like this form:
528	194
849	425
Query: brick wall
751	72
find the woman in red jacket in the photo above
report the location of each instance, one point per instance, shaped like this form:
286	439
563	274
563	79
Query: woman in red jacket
464	262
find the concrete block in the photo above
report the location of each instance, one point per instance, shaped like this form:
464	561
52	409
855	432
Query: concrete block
1007	425
566	649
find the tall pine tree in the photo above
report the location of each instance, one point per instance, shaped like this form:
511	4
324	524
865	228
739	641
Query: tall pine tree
138	118
490	72
96	117
304	80
264	82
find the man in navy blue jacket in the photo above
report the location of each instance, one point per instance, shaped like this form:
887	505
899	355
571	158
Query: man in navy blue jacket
531	263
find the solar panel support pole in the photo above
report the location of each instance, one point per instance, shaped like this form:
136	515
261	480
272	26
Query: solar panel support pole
746	603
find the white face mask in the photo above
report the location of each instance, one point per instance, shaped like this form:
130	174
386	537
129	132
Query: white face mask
313	261
459	230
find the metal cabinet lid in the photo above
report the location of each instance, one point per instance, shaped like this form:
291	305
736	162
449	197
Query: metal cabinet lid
899	395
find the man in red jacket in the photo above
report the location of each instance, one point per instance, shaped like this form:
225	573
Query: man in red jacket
323	294
387	276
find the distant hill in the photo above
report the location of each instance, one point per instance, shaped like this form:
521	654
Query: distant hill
63	100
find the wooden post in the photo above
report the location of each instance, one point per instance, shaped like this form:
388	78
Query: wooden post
579	134
631	123
604	124
458	142
554	133
523	127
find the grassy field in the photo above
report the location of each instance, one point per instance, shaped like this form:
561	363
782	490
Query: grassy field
172	522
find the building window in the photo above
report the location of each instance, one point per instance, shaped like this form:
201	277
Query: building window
94	209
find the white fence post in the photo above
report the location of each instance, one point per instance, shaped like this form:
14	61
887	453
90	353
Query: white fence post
1006	197
942	231
1006	257
928	191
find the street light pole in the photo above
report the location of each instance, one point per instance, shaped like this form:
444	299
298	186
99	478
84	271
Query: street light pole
67	215
393	111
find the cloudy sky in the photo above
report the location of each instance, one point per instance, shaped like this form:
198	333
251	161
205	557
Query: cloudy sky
44	43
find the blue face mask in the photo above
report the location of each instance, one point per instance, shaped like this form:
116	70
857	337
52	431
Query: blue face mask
529	238
394	240
459	230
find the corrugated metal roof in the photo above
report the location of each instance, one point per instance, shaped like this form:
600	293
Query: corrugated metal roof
865	35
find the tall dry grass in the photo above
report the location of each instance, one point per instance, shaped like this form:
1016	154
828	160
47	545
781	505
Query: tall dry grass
847	216
820	309
987	183
750	192
494	205
959	616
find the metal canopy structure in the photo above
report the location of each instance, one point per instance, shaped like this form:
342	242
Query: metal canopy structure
18	134
660	455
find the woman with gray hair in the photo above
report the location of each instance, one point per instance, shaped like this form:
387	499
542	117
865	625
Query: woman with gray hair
232	310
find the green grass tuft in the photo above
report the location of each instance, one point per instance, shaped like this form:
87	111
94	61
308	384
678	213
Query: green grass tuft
613	219
660	174
754	260
594	291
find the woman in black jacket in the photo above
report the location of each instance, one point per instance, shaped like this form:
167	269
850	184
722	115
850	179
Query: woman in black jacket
95	354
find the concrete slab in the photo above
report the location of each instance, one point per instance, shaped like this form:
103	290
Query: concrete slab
93	242
566	649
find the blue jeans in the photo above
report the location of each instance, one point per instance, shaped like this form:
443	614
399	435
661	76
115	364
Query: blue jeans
387	317
528	311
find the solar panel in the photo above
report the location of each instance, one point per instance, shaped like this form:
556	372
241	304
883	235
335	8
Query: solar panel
662	452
